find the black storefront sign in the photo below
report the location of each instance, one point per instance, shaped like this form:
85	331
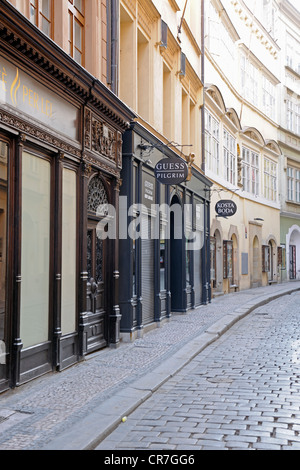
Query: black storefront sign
225	208
171	171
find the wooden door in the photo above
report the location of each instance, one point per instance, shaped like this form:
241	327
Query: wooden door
96	298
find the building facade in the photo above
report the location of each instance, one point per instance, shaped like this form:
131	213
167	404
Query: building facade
289	139
93	94
61	156
160	78
244	107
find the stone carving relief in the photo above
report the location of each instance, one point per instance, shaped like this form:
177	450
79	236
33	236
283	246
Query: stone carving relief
101	139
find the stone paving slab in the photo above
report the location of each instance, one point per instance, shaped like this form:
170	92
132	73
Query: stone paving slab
77	408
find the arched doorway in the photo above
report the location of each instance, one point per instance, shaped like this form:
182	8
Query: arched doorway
97	265
293	254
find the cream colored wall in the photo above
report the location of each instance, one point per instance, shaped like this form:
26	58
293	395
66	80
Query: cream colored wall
244	225
164	88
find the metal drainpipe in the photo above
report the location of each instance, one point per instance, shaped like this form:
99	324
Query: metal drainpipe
114	45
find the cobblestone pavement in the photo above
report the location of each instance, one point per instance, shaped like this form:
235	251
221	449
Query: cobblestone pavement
241	393
36	413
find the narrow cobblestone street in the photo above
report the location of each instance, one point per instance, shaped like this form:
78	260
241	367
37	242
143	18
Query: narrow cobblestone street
241	393
238	367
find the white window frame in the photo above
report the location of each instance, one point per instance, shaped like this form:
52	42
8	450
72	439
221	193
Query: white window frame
250	171
249	80
230	158
212	138
269	98
289	115
270	179
293	184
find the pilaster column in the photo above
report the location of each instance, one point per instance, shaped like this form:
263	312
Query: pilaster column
84	177
115	316
17	277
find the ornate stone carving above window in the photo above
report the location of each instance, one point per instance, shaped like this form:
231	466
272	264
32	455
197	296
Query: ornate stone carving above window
97	200
101	139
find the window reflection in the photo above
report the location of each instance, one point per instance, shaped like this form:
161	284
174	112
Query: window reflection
35	260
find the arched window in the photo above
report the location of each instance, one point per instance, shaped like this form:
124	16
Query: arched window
97	200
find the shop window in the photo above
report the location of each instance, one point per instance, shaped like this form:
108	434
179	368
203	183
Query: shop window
265	258
35	260
281	257
162	257
228	259
213	260
76	30
41	15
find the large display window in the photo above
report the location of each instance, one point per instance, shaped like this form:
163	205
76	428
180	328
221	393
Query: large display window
35	260
69	237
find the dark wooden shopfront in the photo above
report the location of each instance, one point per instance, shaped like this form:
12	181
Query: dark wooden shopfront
60	158
161	273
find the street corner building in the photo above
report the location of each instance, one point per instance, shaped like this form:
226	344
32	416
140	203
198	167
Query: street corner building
73	139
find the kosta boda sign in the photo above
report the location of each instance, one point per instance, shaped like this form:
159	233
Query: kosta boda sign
171	171
225	208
